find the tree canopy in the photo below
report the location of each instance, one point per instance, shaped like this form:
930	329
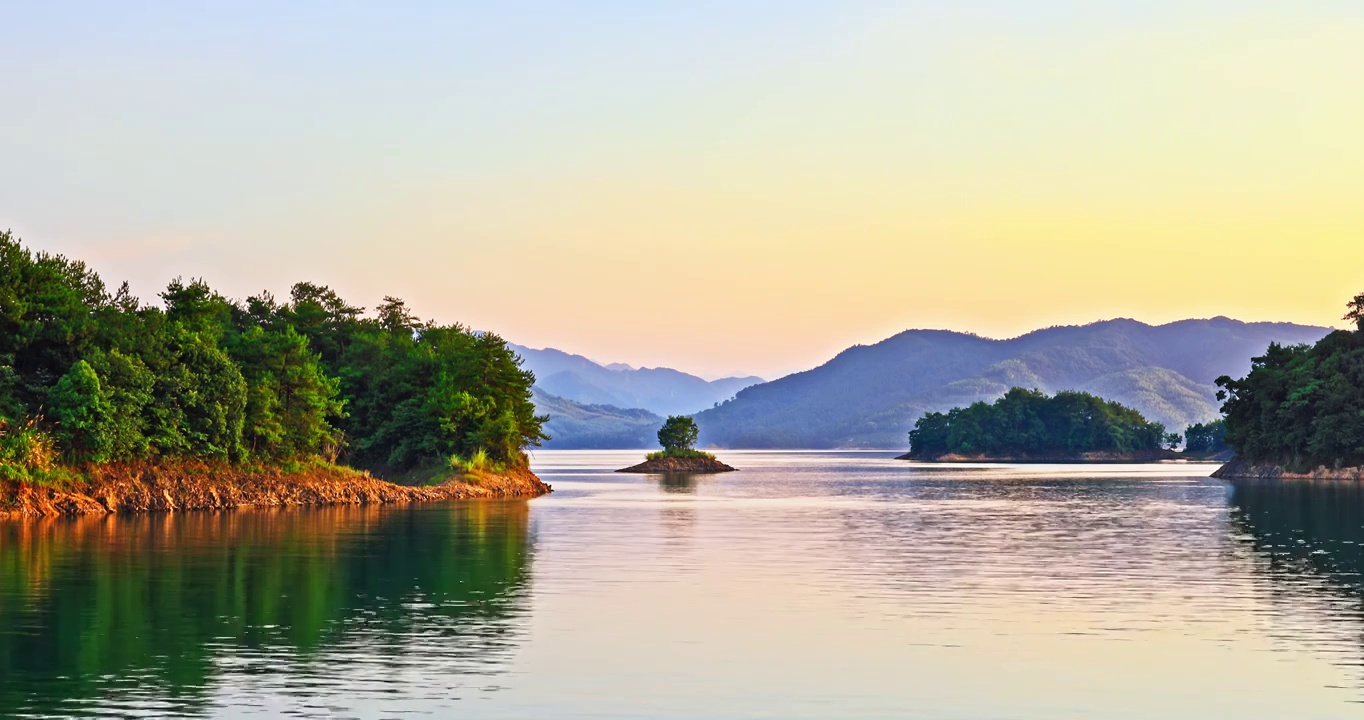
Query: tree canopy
100	377
1206	438
678	434
1302	406
1028	423
1355	311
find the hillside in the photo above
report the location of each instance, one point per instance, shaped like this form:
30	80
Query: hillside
578	426
870	395
662	391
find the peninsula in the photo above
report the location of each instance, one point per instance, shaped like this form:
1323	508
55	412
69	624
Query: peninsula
110	405
1028	426
679	455
1299	414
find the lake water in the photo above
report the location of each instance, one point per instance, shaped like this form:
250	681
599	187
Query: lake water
809	585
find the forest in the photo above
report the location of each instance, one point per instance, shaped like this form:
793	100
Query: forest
1030	424
93	376
1302	406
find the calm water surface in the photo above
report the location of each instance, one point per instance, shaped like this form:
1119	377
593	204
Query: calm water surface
810	585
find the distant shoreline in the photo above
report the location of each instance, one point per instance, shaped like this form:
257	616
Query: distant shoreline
1095	458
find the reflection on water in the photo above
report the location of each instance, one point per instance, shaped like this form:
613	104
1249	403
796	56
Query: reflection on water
152	614
1306	528
1309	539
810	585
677	482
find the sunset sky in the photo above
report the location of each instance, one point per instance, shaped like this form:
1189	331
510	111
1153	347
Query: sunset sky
714	186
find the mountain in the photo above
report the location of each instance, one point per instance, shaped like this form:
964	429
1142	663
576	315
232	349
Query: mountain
573	425
870	395
662	391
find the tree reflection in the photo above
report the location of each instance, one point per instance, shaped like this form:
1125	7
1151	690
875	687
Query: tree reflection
1302	526
678	482
154	605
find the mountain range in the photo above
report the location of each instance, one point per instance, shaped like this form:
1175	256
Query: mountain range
591	405
870	395
582	426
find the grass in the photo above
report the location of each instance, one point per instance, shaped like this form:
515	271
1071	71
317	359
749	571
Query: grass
477	461
29	455
53	477
685	454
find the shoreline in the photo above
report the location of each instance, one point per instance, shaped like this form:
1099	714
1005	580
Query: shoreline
1238	470
1096	458
147	487
679	466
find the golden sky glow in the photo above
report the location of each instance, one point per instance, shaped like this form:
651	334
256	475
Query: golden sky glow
731	191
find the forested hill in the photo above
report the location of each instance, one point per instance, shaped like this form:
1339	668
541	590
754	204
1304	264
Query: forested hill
1028	425
1302	408
870	396
662	391
582	426
93	376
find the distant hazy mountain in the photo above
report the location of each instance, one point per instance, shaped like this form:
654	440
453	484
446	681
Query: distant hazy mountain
870	396
573	425
662	391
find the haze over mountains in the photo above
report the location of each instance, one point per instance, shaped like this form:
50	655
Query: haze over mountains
870	396
615	406
582	426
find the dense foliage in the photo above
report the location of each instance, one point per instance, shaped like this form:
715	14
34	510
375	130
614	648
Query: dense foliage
90	376
1302	406
678	434
1206	438
1028	423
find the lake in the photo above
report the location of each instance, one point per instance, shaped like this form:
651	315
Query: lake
809	585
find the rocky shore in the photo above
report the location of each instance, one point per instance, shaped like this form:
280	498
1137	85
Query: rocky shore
131	488
671	465
1240	470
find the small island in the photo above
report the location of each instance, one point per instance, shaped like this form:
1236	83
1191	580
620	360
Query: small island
679	454
1028	426
1299	414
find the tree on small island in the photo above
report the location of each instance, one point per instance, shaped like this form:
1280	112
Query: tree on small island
679	454
678	437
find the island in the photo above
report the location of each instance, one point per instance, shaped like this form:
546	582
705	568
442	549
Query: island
108	404
679	455
1299	414
1029	426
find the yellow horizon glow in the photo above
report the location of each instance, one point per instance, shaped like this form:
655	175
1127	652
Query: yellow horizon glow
953	169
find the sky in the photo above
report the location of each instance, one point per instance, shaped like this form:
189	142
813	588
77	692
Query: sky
720	187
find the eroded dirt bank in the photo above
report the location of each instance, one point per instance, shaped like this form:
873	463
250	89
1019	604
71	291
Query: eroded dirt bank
206	486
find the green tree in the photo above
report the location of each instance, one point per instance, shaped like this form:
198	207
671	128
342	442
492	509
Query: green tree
47	320
1204	438
290	399
82	411
210	394
678	434
1355	311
